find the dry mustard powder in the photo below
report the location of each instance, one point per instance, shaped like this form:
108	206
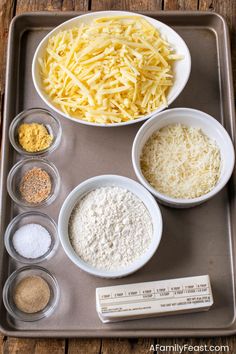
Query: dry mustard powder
34	137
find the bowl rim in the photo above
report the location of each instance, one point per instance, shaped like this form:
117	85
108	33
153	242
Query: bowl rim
88	184
106	125
22	259
181	201
51	197
34	316
16	120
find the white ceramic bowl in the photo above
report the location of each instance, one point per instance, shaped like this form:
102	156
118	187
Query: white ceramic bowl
181	67
194	118
101	181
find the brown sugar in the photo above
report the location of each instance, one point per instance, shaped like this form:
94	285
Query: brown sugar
35	185
31	294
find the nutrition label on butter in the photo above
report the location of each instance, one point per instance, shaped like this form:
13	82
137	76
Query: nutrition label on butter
156	297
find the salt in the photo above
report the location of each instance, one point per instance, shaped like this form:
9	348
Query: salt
31	241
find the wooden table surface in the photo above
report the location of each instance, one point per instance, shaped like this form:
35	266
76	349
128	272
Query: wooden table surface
10	8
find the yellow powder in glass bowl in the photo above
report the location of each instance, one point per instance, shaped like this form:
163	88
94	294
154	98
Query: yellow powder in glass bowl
34	137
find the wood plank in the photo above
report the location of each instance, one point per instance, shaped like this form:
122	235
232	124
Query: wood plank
23	346
84	346
75	5
126	346
51	5
52	346
200	345
180	4
6	14
2	338
226	8
133	5
33	346
35	5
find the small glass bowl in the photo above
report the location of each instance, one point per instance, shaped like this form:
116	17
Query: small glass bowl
15	278
31	218
36	115
17	172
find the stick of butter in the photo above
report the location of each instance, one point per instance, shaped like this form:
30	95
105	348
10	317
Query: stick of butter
156	298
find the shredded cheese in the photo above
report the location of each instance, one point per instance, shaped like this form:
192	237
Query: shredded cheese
181	162
118	65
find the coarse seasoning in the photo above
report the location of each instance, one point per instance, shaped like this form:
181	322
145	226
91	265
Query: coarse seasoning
35	185
110	228
34	137
31	241
31	294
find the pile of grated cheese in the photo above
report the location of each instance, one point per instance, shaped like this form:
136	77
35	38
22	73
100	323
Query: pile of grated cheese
114	69
181	162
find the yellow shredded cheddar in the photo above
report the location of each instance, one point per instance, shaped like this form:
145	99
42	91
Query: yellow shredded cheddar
113	70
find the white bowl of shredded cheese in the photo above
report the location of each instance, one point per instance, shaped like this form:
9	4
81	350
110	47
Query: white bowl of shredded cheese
110	226
183	157
110	68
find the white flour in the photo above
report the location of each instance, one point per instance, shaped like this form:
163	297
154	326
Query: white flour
110	228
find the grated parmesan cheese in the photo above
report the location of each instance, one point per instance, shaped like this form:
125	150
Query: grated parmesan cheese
114	69
181	162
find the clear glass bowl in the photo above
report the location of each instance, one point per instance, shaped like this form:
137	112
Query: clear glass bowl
15	278
31	218
36	115
18	171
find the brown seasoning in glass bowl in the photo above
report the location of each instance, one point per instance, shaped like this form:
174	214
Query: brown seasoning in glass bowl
35	186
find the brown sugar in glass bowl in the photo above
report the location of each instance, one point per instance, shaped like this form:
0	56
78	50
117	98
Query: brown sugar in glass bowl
31	293
33	182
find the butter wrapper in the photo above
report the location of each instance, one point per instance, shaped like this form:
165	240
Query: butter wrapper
156	298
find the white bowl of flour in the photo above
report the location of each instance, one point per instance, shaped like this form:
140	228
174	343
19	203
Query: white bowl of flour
110	226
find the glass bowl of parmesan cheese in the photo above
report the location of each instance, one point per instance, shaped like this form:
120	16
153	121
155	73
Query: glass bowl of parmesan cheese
183	157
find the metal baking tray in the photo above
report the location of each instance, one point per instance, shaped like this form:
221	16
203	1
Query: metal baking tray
195	241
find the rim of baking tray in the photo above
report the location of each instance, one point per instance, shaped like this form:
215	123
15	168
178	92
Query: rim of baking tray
106	13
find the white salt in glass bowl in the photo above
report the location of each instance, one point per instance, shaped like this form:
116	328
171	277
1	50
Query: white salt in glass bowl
193	118
181	68
101	181
31	217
